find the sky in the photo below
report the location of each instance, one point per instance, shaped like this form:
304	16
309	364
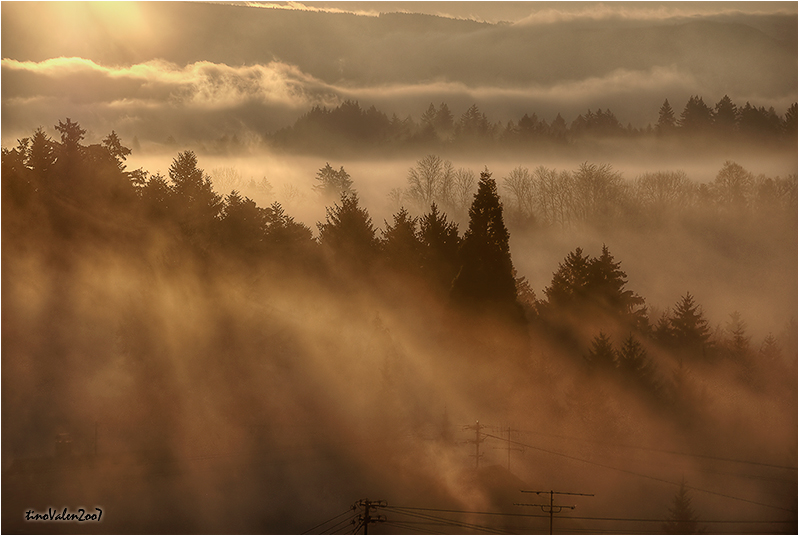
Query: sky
199	71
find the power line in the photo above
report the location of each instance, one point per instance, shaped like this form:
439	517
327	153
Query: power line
684	454
327	521
509	448
412	528
338	527
644	475
447	520
528	515
551	508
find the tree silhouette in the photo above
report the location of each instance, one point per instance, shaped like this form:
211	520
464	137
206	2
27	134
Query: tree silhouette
486	275
726	117
348	233
696	117
444	120
440	245
689	327
242	225
607	287
570	282
157	197
430	180
789	123
601	356
666	120
473	125
634	363
401	248
333	183
682	518
738	342
284	236
196	205
733	186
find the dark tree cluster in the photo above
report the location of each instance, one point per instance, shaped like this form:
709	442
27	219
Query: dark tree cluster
348	125
62	195
727	121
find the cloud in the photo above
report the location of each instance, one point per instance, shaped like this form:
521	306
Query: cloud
205	100
647	11
157	97
201	84
263	98
299	6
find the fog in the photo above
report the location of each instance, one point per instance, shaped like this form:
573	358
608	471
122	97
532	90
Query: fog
236	327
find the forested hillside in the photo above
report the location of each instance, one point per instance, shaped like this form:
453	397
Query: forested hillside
245	361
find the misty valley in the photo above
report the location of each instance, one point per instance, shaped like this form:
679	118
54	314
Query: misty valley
399	267
266	342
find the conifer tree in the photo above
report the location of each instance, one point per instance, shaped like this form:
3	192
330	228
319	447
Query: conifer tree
726	117
682	518
601	355
401	248
487	274
607	286
689	327
196	205
666	119
570	282
696	117
440	244
348	232
333	183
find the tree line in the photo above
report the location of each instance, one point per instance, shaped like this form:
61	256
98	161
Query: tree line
349	123
59	194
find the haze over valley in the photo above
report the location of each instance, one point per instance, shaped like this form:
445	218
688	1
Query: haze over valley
265	265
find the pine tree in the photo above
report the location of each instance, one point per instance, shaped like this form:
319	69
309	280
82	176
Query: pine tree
333	183
196	205
726	117
444	120
440	244
487	274
689	327
601	356
666	119
682	518
770	351
738	342
696	117
348	232
570	282
242	224
401	248
607	287
633	361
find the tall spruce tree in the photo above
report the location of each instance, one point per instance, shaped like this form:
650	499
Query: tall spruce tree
689	327
486	276
440	244
682	518
666	119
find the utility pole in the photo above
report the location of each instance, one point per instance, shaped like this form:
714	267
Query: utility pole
551	508
509	448
366	518
477	428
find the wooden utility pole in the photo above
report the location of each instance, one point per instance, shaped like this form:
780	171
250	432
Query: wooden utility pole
477	428
509	448
366	518
551	507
